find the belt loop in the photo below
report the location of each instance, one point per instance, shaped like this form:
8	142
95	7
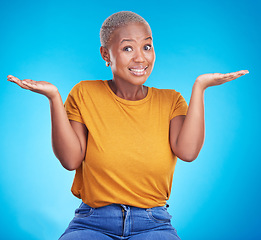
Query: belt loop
124	207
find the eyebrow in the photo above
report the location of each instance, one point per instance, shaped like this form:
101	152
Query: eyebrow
130	40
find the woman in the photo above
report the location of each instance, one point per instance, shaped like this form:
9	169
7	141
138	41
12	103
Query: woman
123	138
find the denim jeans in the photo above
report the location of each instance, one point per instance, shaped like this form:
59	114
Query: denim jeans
120	222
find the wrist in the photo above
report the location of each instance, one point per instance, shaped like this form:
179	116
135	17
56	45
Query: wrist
54	96
199	85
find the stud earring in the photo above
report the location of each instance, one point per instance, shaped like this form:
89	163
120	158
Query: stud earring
107	64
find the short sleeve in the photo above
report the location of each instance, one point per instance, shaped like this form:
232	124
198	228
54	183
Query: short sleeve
73	104
179	106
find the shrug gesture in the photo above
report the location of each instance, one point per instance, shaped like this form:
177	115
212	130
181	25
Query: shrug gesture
186	132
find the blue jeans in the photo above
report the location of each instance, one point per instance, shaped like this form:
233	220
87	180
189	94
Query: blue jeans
120	222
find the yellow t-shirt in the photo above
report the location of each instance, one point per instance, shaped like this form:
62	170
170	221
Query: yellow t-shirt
128	158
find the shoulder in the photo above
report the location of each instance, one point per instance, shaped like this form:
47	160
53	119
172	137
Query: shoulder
86	85
91	83
166	93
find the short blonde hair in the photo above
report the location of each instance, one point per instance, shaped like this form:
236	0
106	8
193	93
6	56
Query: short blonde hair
115	21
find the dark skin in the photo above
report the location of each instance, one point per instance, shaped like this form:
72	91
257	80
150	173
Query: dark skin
131	56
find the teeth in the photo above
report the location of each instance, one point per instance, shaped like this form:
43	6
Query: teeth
138	70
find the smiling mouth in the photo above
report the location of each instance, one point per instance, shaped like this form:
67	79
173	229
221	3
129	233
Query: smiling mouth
139	71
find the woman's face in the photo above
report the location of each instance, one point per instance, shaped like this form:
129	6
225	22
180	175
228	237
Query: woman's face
131	53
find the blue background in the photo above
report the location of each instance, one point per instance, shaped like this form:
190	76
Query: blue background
215	197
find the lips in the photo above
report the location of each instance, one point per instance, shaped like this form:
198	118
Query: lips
138	71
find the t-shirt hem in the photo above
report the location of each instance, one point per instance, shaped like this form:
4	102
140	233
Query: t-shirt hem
75	118
178	114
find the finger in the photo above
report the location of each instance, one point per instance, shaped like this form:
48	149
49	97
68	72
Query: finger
244	72
29	82
9	76
12	78
18	82
240	73
227	77
234	75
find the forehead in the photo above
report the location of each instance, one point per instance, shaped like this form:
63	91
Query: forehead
135	31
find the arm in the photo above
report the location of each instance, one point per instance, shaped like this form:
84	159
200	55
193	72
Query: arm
68	138
187	132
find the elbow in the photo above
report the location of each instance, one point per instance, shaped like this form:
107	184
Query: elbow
188	156
71	167
188	153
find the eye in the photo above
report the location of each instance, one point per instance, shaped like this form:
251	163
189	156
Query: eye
147	47
127	49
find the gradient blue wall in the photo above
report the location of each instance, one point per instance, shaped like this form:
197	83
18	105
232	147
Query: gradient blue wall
215	197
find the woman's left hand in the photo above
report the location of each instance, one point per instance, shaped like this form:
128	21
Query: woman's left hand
214	79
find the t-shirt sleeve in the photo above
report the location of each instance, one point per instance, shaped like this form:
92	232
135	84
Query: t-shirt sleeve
73	104
179	106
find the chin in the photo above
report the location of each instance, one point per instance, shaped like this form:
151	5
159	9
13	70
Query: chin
132	78
138	81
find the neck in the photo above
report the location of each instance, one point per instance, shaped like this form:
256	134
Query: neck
128	91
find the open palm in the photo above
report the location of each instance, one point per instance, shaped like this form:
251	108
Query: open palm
45	88
214	79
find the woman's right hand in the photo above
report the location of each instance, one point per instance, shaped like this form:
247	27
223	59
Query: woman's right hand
45	88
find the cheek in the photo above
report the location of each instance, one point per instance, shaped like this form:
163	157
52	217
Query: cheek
122	60
119	63
151	57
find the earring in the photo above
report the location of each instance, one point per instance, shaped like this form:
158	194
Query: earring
107	64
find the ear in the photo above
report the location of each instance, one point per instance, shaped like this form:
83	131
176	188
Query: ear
105	54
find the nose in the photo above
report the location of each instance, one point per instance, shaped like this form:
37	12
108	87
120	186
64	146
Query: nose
139	56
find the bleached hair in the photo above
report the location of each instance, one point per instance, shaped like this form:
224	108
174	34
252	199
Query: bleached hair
115	21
